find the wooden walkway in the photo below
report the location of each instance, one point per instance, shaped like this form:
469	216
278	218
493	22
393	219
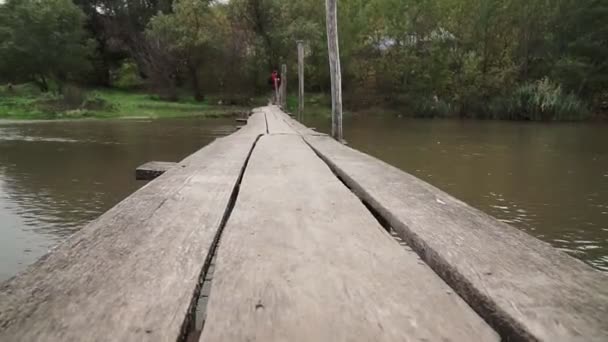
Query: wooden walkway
300	239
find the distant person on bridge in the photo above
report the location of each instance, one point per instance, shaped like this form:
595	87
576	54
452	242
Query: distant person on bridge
275	82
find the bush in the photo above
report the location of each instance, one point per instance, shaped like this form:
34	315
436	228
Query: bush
127	76
25	89
73	96
74	100
97	104
541	101
432	108
231	100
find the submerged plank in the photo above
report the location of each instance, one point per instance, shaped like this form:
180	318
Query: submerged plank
525	288
131	275
302	259
152	170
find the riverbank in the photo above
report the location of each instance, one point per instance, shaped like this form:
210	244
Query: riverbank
319	105
24	103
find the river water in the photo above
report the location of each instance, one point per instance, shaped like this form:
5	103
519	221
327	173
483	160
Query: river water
550	180
57	176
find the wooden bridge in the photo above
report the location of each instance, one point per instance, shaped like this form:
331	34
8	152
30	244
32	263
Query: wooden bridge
280	233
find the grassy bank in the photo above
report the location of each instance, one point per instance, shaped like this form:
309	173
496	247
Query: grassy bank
316	105
25	102
536	102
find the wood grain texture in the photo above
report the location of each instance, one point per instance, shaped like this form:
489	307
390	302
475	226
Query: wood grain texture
295	126
301	259
276	123
335	70
283	85
300	45
256	124
152	170
131	274
527	289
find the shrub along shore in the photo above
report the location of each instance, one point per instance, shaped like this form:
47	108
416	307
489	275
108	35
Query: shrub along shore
536	102
532	60
27	102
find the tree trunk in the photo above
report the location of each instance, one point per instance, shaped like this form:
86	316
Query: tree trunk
42	83
199	96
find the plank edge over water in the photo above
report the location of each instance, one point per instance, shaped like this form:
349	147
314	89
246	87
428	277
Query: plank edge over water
523	286
132	273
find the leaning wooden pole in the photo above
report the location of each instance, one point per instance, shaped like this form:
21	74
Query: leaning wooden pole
284	86
300	80
331	7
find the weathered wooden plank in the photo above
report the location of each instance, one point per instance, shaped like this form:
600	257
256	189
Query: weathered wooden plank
256	124
276	123
525	288
300	128
131	275
152	170
288	124
301	259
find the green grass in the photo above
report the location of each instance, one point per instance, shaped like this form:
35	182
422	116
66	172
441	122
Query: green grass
316	105
21	108
128	105
24	102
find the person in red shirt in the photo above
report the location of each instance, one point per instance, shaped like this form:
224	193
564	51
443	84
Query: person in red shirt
275	82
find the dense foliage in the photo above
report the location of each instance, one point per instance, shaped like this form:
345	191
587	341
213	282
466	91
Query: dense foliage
43	41
514	59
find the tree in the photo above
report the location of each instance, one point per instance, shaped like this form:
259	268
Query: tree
117	27
187	33
580	46
44	40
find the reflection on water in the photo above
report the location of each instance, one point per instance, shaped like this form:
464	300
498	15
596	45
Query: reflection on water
550	180
57	176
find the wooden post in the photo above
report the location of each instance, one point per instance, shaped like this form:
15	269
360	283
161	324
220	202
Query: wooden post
331	7
301	80
276	93
284	86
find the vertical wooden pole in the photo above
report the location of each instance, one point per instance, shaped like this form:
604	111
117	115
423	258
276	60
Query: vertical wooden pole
300	80
331	7
276	93
284	86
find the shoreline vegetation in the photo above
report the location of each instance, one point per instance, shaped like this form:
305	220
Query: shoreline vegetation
527	60
538	102
26	102
528	107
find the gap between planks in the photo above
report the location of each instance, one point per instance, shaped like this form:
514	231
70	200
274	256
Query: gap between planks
382	223
190	330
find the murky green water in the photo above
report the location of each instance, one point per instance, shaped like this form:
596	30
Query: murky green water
550	180
55	177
